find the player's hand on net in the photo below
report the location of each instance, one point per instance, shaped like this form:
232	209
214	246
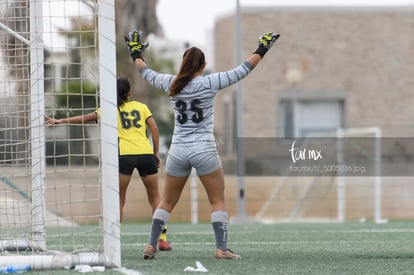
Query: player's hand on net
135	45
51	121
266	41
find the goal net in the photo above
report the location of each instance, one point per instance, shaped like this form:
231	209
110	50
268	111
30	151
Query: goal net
59	205
343	184
361	146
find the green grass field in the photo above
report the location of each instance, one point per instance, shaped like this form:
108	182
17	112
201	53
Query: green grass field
306	248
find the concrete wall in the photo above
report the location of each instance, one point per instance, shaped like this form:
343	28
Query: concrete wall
363	55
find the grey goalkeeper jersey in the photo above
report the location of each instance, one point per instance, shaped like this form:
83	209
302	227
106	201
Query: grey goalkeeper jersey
194	105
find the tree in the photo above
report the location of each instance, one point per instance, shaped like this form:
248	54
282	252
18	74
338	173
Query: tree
141	15
131	15
134	14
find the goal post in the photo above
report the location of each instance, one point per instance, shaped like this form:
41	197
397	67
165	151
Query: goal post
109	131
344	184
372	133
59	202
37	133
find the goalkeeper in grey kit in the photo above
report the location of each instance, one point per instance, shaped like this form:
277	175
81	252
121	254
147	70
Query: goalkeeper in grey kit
193	144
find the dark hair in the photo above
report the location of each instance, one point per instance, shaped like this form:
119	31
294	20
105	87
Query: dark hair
123	87
193	61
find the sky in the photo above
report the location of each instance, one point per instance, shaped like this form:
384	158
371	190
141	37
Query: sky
193	20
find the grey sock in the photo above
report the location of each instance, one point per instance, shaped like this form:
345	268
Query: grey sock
159	218
219	220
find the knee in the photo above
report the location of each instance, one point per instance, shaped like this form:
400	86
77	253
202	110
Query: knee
167	206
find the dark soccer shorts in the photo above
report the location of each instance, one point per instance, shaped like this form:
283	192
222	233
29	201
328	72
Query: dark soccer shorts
145	164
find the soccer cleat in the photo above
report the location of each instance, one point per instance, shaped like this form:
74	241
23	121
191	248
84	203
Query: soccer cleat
149	252
228	254
164	245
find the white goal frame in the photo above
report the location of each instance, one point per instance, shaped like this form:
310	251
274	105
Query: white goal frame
361	132
340	181
111	254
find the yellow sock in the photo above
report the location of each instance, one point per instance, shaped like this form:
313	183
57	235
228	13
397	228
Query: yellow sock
163	235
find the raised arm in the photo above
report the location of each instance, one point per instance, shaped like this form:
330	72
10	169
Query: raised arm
265	43
221	80
140	64
136	48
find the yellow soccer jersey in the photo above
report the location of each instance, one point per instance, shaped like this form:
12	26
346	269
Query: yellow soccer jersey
132	129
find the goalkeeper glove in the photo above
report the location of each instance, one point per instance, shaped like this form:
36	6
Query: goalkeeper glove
266	42
135	46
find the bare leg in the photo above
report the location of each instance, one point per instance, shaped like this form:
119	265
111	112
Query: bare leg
214	185
172	192
123	186
151	186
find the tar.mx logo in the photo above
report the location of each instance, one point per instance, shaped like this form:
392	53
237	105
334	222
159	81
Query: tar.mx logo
297	153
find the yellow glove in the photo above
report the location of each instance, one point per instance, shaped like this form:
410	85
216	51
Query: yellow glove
266	42
135	46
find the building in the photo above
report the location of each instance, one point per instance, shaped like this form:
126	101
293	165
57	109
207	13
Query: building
332	67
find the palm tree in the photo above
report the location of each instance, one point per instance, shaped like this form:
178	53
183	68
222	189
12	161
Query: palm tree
141	14
130	15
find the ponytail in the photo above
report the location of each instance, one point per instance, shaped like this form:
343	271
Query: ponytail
193	61
123	87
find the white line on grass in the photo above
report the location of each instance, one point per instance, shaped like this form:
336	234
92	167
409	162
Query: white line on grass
127	271
174	233
385	230
235	232
265	243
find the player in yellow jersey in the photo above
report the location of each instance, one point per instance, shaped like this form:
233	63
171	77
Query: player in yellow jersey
135	149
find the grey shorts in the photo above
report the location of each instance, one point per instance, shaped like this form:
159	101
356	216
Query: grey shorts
202	156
